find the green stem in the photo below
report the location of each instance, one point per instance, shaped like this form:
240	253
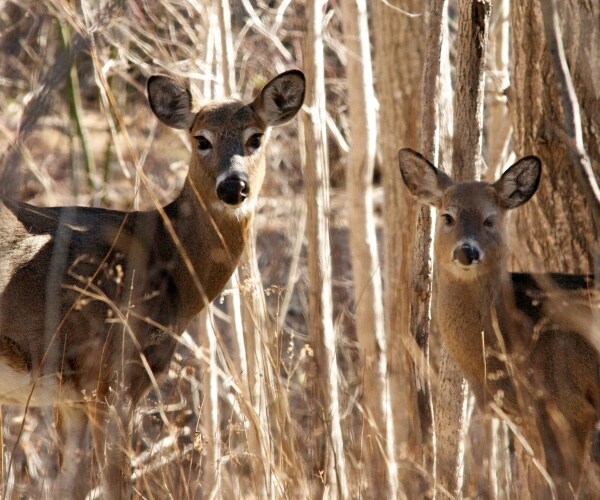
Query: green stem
75	109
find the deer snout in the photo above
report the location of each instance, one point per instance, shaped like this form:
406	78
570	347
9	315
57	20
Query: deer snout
234	188
466	254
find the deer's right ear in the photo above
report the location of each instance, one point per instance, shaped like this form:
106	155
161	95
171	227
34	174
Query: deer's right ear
171	101
422	179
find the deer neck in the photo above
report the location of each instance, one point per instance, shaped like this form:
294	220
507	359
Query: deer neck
213	238
474	316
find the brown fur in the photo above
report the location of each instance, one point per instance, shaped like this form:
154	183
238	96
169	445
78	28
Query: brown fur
538	368
92	299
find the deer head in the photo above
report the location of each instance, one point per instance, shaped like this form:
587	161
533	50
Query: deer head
470	228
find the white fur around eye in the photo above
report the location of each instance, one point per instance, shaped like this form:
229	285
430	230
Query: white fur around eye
208	135
247	137
249	132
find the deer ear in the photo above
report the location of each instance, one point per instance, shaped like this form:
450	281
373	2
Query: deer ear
518	184
171	101
422	179
281	98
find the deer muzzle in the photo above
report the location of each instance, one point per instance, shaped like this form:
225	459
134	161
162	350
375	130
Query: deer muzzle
466	254
234	189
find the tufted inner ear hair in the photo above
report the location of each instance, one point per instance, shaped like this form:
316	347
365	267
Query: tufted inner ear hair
281	98
519	183
426	182
171	101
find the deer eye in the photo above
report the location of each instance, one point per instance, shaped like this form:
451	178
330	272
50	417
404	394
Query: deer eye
490	221
448	219
203	143
254	141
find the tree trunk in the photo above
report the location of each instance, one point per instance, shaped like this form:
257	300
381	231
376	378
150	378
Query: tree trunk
450	414
498	81
473	24
555	230
398	69
321	329
211	474
226	42
380	465
434	93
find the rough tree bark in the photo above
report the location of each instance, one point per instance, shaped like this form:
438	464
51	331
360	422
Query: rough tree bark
380	464
433	94
473	24
321	329
555	230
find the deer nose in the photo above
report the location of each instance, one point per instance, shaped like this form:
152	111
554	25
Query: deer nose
466	254
234	189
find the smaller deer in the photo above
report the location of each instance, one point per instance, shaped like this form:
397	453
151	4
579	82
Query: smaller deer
533	366
92	300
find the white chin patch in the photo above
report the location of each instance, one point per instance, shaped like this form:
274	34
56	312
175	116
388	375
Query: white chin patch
241	211
464	272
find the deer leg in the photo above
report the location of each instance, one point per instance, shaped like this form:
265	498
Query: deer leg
73	479
564	447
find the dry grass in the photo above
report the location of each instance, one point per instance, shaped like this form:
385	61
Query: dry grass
208	433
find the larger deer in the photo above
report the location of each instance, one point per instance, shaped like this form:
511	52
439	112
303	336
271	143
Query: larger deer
521	355
92	300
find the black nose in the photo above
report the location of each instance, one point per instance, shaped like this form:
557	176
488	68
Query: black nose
466	254
234	189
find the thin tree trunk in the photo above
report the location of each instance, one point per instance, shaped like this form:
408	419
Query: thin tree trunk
256	327
498	82
450	414
226	39
380	464
398	29
473	24
207	340
496	153
211	477
321	330
422	230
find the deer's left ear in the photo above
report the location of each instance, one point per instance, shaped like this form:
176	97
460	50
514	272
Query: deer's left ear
281	98
519	183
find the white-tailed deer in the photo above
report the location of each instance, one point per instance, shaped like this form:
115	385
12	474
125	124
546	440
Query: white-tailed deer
520	352
92	300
